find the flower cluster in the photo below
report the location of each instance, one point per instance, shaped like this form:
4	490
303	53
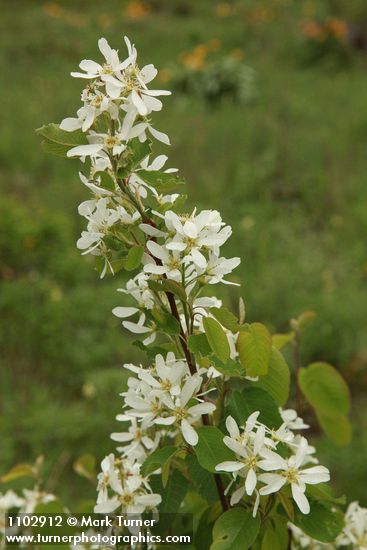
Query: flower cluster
122	488
135	222
166	395
262	467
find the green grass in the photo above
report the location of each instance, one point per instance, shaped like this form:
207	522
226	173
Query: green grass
288	172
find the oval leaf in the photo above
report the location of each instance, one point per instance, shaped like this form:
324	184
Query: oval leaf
277	380
217	339
322	523
254	347
210	449
236	529
18	471
324	389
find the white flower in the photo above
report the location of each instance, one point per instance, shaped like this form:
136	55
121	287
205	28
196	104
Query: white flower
137	441
120	485
292	420
87	207
109	71
137	184
354	533
167	375
109	477
142	403
167	263
179	413
216	269
140	327
247	445
196	233
138	289
100	222
290	471
95	103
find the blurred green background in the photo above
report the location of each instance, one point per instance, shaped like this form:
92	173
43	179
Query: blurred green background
286	165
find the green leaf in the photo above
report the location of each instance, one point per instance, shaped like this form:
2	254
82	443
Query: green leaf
277	380
85	466
17	472
217	338
254	348
322	523
139	151
328	393
210	449
324	389
165	321
160	180
133	258
107	181
244	403
52	132
226	318
174	493
236	529
198	344
203	480
55	148
157	459
287	503
337	427
203	534
303	321
229	368
281	340
323	491
276	536
168	286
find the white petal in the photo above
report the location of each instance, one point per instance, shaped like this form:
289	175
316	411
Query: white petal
105	49
202	408
121	437
157	92
107	507
112	90
85	150
135	327
148	72
139	103
160	136
250	482
273	483
229	466
237	495
199	259
70	124
157	250
124	311
90	66
189	434
150	230
81	75
166	421
232	427
300	499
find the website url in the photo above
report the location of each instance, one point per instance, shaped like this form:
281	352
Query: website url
97	538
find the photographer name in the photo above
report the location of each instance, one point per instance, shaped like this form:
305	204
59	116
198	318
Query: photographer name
116	521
